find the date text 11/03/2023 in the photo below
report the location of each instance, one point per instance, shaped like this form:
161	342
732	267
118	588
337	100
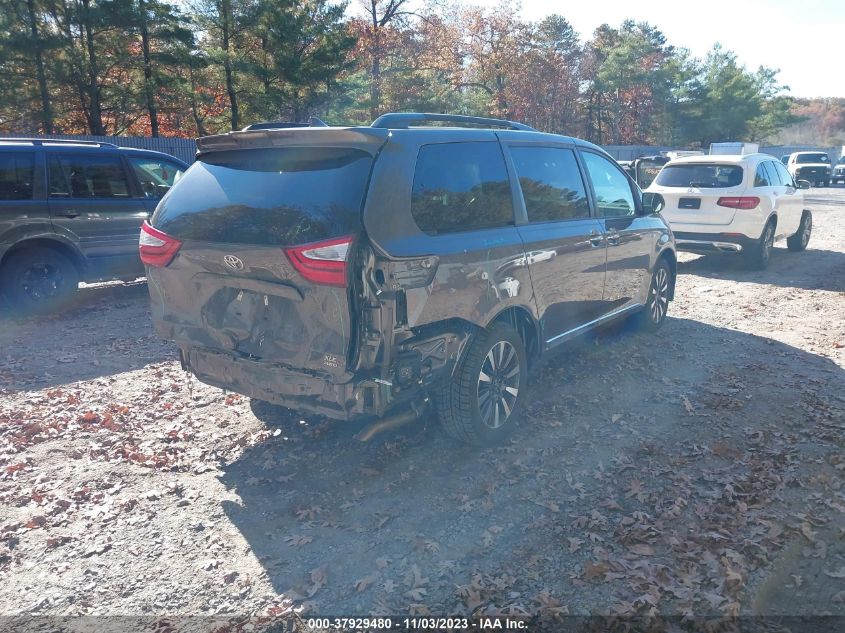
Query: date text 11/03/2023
416	624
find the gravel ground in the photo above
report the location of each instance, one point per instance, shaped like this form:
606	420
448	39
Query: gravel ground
700	471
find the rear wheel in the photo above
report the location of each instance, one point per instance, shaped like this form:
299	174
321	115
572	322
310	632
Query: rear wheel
799	241
481	402
758	255
38	281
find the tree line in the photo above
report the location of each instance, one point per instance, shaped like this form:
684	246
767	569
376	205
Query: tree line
195	67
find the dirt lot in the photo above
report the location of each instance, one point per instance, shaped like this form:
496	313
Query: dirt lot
700	471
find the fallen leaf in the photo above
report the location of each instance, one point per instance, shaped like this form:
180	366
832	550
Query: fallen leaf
642	549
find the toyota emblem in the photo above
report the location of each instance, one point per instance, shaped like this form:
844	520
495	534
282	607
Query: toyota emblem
235	263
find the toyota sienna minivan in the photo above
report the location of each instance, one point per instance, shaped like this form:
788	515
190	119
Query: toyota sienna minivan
365	272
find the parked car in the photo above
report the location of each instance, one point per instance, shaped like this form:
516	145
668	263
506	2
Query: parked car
785	159
70	211
838	173
356	272
814	167
734	204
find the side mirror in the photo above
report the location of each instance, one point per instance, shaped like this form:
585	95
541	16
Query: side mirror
803	184
653	202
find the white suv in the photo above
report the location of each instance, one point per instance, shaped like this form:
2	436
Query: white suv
738	204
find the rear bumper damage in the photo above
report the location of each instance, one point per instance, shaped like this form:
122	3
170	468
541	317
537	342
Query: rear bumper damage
419	364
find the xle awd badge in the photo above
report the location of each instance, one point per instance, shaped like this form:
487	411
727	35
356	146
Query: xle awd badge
330	360
235	263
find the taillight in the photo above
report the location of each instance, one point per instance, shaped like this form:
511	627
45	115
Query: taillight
157	248
739	202
322	262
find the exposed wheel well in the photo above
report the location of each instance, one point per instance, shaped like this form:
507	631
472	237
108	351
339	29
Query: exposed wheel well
521	321
60	247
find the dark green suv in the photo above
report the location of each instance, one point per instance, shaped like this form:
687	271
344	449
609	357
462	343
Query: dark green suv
70	211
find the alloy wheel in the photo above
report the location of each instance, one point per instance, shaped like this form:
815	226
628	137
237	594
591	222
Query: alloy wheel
498	384
768	242
659	294
808	228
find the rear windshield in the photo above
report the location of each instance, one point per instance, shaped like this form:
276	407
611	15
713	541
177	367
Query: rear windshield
279	196
812	158
699	175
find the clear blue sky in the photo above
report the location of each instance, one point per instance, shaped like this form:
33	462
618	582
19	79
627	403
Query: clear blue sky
805	39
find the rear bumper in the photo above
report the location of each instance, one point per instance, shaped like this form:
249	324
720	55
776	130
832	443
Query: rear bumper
297	390
711	242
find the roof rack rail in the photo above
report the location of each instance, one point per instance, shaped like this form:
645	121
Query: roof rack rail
404	120
68	141
274	125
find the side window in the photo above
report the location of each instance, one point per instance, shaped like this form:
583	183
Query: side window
785	176
87	177
155	176
761	178
17	171
772	172
614	197
551	183
461	187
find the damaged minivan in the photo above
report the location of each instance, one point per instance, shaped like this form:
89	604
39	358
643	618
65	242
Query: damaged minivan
367	272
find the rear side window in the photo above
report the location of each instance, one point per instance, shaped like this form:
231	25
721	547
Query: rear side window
16	175
461	187
280	196
74	176
761	177
700	175
551	183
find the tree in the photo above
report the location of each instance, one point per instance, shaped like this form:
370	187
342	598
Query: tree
300	49
165	42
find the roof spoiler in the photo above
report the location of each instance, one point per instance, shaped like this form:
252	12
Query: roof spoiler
368	139
404	120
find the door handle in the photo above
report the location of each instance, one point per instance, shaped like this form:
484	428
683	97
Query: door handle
596	239
69	213
613	239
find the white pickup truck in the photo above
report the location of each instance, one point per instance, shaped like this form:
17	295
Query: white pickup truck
814	167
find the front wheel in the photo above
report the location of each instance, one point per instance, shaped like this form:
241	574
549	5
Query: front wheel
481	402
657	304
798	242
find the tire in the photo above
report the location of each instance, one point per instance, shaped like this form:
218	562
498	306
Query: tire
758	255
657	305
798	242
471	408
826	183
39	281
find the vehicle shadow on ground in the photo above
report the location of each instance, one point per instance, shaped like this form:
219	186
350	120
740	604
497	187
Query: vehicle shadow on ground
791	270
83	341
343	524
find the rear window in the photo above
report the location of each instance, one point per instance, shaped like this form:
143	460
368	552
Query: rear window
812	158
278	196
700	175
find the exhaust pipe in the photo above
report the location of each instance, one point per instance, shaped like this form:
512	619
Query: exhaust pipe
414	412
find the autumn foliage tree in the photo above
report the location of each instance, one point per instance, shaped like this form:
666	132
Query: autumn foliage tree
193	67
